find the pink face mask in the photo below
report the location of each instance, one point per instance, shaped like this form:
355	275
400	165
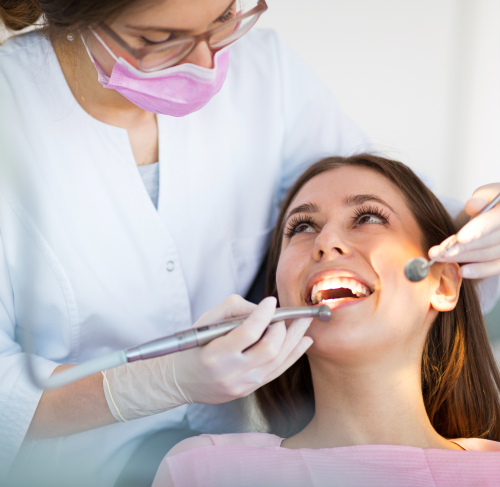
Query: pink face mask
176	91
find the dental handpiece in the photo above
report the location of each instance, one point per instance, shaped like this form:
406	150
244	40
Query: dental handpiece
417	269
191	338
197	337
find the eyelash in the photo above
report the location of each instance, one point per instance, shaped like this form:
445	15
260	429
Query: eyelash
227	16
295	222
152	43
360	212
372	211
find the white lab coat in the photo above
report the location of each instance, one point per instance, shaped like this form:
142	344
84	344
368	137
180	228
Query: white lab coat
87	264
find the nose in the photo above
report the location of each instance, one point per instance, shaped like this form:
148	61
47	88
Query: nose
330	244
201	55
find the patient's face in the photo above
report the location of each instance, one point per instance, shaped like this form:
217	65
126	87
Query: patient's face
346	245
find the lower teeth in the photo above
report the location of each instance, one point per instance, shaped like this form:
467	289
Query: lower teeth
333	299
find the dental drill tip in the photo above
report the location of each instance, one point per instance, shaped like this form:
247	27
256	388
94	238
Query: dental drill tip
416	269
324	313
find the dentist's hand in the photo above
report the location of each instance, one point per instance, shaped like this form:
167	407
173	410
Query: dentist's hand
479	240
238	363
227	368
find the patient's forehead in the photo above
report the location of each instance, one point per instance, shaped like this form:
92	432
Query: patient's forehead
332	186
330	189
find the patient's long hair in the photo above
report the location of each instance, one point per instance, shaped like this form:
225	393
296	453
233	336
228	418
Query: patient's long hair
460	379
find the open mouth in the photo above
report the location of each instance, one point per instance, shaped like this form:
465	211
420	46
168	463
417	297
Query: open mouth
331	289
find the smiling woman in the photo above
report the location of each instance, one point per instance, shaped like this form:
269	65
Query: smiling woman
400	383
455	347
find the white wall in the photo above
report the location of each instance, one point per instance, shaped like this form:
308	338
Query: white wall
477	130
420	76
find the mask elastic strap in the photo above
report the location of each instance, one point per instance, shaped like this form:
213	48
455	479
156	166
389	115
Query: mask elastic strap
98	37
86	47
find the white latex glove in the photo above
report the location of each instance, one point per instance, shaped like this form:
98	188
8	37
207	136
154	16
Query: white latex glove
479	240
227	368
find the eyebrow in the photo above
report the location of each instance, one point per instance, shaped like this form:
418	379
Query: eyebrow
360	199
305	208
150	28
354	200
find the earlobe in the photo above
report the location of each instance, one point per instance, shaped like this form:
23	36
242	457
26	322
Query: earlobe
446	295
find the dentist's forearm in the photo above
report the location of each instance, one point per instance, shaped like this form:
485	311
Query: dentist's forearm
77	407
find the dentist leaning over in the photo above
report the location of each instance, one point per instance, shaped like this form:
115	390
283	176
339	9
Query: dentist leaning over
143	156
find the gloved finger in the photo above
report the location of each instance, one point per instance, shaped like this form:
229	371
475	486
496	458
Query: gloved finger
250	331
295	346
488	241
481	197
295	334
231	307
480	270
482	225
433	251
480	255
268	347
245	372
294	355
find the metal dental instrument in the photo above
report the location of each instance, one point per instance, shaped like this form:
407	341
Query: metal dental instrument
417	269
197	337
184	340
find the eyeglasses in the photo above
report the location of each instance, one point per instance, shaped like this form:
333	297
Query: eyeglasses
170	52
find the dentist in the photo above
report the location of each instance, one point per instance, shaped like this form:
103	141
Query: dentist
144	154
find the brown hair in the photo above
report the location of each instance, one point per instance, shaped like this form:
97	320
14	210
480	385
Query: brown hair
59	16
460	379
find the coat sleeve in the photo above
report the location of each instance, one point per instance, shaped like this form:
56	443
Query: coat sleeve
18	395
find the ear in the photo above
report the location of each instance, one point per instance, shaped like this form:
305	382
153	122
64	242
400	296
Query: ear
446	295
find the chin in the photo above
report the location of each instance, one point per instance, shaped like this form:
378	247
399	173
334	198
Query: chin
351	341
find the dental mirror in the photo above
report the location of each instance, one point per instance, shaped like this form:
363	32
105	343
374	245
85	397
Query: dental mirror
417	269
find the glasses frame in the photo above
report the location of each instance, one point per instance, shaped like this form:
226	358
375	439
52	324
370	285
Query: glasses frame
140	53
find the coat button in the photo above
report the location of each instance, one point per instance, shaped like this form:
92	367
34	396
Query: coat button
170	266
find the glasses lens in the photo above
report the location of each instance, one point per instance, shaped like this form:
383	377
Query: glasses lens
165	57
237	21
234	28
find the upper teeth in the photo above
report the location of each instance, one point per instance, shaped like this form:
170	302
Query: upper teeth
360	290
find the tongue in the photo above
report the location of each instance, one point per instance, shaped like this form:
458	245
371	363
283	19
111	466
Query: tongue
337	294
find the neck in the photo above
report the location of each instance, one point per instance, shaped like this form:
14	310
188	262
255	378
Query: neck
106	105
366	405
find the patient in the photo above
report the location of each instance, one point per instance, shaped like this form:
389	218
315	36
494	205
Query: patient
401	380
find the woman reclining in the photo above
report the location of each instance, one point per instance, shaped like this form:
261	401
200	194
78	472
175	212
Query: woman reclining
400	387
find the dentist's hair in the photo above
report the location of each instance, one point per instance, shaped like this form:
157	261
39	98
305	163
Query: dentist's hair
59	17
460	379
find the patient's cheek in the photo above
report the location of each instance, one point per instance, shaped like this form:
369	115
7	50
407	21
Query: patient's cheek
284	295
287	282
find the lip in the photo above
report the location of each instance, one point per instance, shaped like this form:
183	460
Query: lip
338	273
339	303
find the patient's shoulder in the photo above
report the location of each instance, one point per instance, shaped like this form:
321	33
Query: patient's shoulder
478	444
190	444
259	440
